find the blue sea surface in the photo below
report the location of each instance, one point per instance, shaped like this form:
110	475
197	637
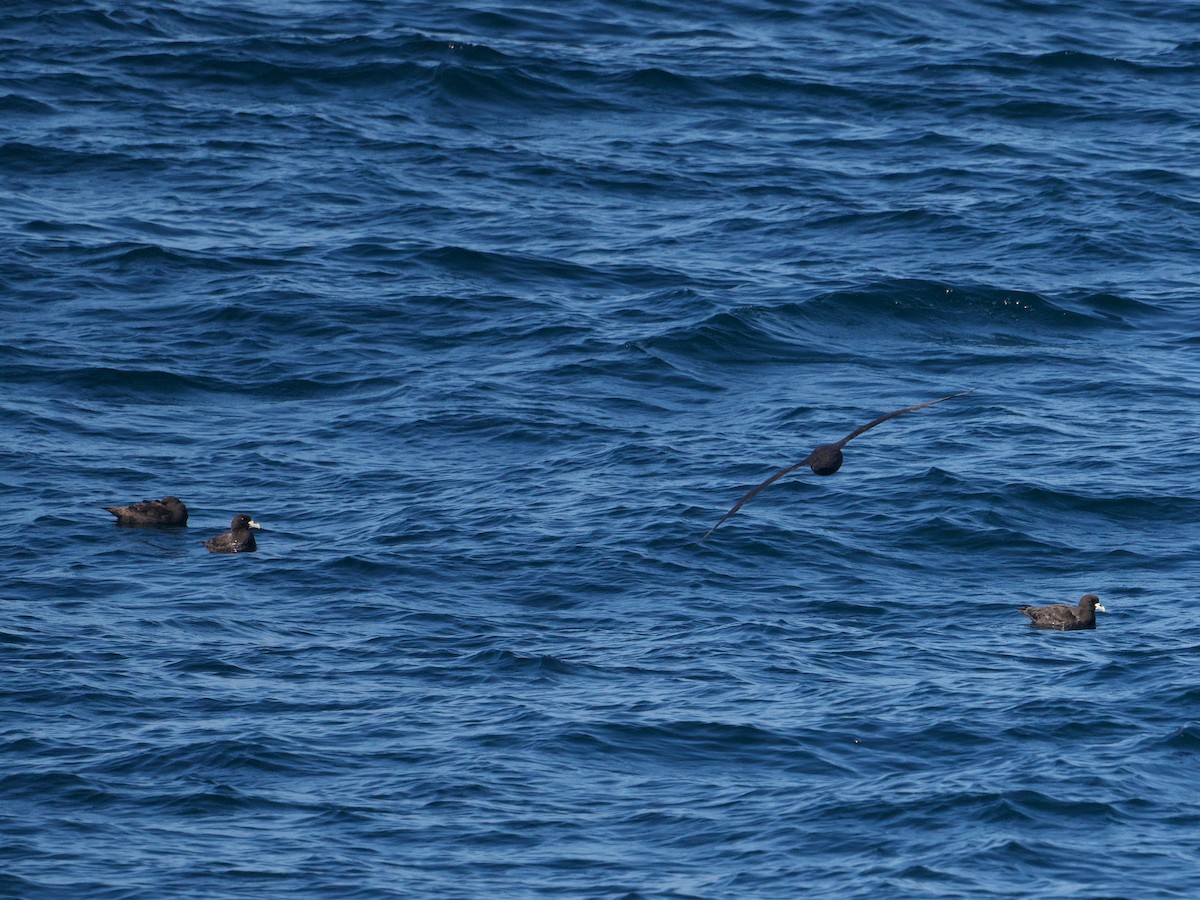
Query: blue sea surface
488	313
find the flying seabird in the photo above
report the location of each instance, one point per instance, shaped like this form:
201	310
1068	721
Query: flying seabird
827	458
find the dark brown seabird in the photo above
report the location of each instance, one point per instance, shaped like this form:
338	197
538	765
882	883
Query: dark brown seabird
827	458
238	539
1062	617
167	511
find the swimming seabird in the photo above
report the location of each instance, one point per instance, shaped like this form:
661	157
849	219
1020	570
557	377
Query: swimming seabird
238	539
1062	617
167	511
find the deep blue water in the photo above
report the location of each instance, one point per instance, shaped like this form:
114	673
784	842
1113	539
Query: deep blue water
487	313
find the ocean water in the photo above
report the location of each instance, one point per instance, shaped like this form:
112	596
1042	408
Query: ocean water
487	313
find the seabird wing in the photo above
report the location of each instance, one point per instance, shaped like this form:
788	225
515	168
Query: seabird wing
899	412
754	491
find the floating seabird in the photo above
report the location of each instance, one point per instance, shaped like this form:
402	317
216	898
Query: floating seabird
827	458
1063	617
167	511
238	539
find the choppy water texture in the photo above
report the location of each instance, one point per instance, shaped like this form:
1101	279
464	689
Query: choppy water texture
487	313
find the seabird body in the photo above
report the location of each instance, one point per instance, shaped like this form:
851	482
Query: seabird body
1061	617
167	511
238	539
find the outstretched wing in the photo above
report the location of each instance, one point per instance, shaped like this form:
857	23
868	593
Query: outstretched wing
754	490
899	412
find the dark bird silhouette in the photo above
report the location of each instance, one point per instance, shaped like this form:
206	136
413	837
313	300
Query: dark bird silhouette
827	458
238	539
1062	617
167	511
